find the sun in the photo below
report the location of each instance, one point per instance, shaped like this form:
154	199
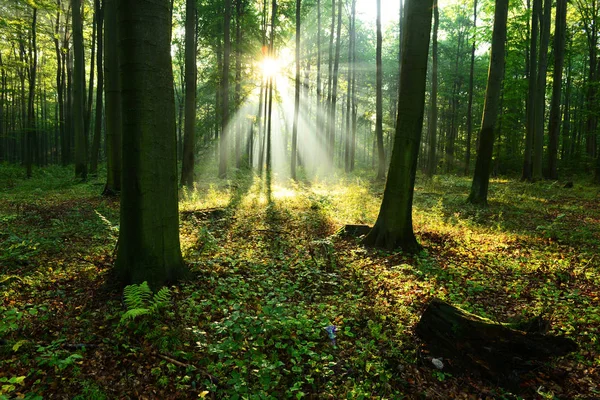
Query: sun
270	66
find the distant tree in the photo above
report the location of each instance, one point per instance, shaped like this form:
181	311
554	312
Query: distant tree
31	128
189	139
491	108
149	247
379	98
540	97
296	93
531	92
95	150
394	222
224	139
112	94
471	88
433	109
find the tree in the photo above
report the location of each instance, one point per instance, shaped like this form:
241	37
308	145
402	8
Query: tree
149	231
99	11
491	108
30	135
433	109
187	166
296	93
379	99
471	84
78	93
394	222
224	139
559	58
112	94
540	97
531	93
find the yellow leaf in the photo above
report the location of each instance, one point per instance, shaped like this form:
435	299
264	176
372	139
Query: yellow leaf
203	394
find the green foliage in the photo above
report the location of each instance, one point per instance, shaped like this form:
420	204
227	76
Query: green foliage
140	300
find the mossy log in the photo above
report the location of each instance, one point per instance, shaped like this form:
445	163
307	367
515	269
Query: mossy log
499	351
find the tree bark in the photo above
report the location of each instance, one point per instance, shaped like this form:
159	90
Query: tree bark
334	90
224	139
491	109
394	222
471	84
30	135
149	232
433	109
112	91
189	134
296	94
78	93
532	91
379	99
559	57
498	351
540	103
99	89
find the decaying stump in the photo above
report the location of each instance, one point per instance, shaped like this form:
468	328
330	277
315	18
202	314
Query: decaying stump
355	230
501	352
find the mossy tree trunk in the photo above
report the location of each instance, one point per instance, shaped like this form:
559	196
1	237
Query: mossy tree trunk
149	233
394	223
498	351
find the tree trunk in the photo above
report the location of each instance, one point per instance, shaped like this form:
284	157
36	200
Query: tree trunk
540	103
149	232
29	146
224	139
112	91
559	57
297	94
334	90
78	93
353	85
471	84
500	352
99	90
239	9
394	222
433	109
532	91
327	113
491	109
379	99
189	139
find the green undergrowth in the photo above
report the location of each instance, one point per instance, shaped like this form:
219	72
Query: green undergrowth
272	276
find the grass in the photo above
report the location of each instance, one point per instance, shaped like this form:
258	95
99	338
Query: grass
271	275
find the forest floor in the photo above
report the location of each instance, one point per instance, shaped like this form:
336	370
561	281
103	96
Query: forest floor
270	272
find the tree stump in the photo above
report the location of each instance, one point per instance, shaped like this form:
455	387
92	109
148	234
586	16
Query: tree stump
501	352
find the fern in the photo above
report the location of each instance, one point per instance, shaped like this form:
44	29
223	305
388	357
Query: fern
140	301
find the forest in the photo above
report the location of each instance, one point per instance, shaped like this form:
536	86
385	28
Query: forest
320	199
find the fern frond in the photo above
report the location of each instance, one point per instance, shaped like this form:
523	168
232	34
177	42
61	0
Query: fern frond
137	296
160	300
132	314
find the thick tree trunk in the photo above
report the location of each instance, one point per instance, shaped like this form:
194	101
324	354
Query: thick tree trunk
491	108
149	232
394	222
189	139
498	351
